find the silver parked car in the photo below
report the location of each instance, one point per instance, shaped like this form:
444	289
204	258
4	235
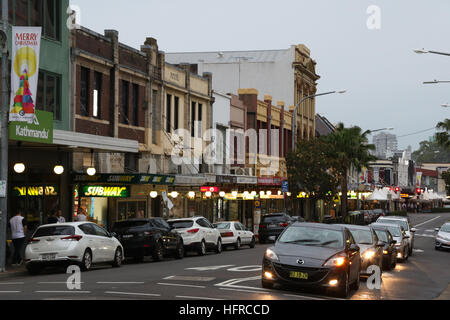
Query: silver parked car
400	237
443	237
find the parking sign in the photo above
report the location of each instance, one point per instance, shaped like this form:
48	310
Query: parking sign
285	186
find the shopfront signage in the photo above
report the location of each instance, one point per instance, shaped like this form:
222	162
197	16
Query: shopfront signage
126	178
271	181
105	191
210	189
246	180
226	179
35	191
40	130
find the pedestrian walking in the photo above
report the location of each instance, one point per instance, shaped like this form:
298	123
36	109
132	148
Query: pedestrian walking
52	218
18	226
60	217
81	216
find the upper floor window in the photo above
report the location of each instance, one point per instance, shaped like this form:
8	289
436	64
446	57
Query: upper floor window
49	93
135	104
125	103
84	92
97	95
34	13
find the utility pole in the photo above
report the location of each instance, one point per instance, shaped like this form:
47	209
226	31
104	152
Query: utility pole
4	135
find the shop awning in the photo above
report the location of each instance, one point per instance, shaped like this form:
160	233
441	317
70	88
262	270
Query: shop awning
89	141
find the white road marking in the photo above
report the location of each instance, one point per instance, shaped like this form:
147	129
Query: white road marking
246	269
11	283
188	278
134	293
67	291
243	290
418	250
429	231
304	297
200	298
180	285
425	235
211	268
420	224
63	282
111	282
10	291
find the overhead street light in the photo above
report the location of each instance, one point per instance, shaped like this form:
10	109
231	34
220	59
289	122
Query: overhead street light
423	51
294	118
384	129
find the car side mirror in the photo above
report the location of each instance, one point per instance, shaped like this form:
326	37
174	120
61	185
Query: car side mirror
413	229
406	236
436	229
380	244
112	235
353	248
393	241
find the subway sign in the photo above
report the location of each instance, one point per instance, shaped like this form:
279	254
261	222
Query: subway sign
35	191
105	191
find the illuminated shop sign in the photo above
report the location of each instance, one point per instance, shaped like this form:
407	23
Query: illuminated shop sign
35	191
210	189
105	191
125	179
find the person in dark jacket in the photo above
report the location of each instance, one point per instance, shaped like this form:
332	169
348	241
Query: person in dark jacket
52	218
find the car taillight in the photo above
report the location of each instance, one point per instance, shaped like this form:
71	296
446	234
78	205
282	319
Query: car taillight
227	234
73	238
32	240
147	233
284	224
193	230
262	226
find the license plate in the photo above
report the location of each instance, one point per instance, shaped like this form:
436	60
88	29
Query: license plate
272	238
48	257
127	236
272	225
298	275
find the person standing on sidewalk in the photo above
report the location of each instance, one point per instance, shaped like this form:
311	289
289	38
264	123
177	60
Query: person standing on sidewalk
18	226
60	217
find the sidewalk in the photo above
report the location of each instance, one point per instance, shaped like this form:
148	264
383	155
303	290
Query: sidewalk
13	271
445	295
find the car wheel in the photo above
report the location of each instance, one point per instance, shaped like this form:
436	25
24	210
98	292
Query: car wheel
357	282
410	251
437	248
202	248
34	270
344	290
237	246
266	284
179	253
158	254
117	262
252	244
219	246
86	263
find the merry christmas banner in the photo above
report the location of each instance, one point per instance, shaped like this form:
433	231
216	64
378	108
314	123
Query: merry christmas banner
26	43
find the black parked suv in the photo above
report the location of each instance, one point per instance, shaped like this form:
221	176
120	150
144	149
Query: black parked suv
272	225
148	237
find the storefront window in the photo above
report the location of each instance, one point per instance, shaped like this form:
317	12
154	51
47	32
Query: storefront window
129	210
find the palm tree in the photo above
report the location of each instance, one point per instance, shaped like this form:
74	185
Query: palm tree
443	137
349	147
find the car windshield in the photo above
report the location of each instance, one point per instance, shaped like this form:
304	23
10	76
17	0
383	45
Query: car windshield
273	219
129	224
395	231
382	235
446	227
54	231
181	224
222	225
362	236
313	237
401	223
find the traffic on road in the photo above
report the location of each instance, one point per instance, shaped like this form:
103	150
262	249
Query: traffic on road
310	261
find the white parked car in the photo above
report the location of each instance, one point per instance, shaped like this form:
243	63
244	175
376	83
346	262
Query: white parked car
198	234
235	234
443	237
81	243
403	222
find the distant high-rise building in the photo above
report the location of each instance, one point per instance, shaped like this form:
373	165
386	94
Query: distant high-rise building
385	144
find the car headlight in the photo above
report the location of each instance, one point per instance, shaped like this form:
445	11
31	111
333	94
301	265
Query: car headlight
271	255
335	261
368	254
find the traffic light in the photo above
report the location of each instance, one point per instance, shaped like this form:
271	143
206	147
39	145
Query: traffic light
397	189
418	191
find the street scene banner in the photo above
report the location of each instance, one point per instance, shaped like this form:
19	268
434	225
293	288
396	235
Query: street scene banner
40	130
26	43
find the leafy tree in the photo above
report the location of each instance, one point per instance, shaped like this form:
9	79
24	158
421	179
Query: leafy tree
348	147
446	177
431	151
309	170
443	137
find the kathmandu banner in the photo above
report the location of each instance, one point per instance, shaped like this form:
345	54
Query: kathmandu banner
26	43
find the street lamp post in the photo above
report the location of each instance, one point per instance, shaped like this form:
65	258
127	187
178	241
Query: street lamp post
294	118
423	51
4	132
